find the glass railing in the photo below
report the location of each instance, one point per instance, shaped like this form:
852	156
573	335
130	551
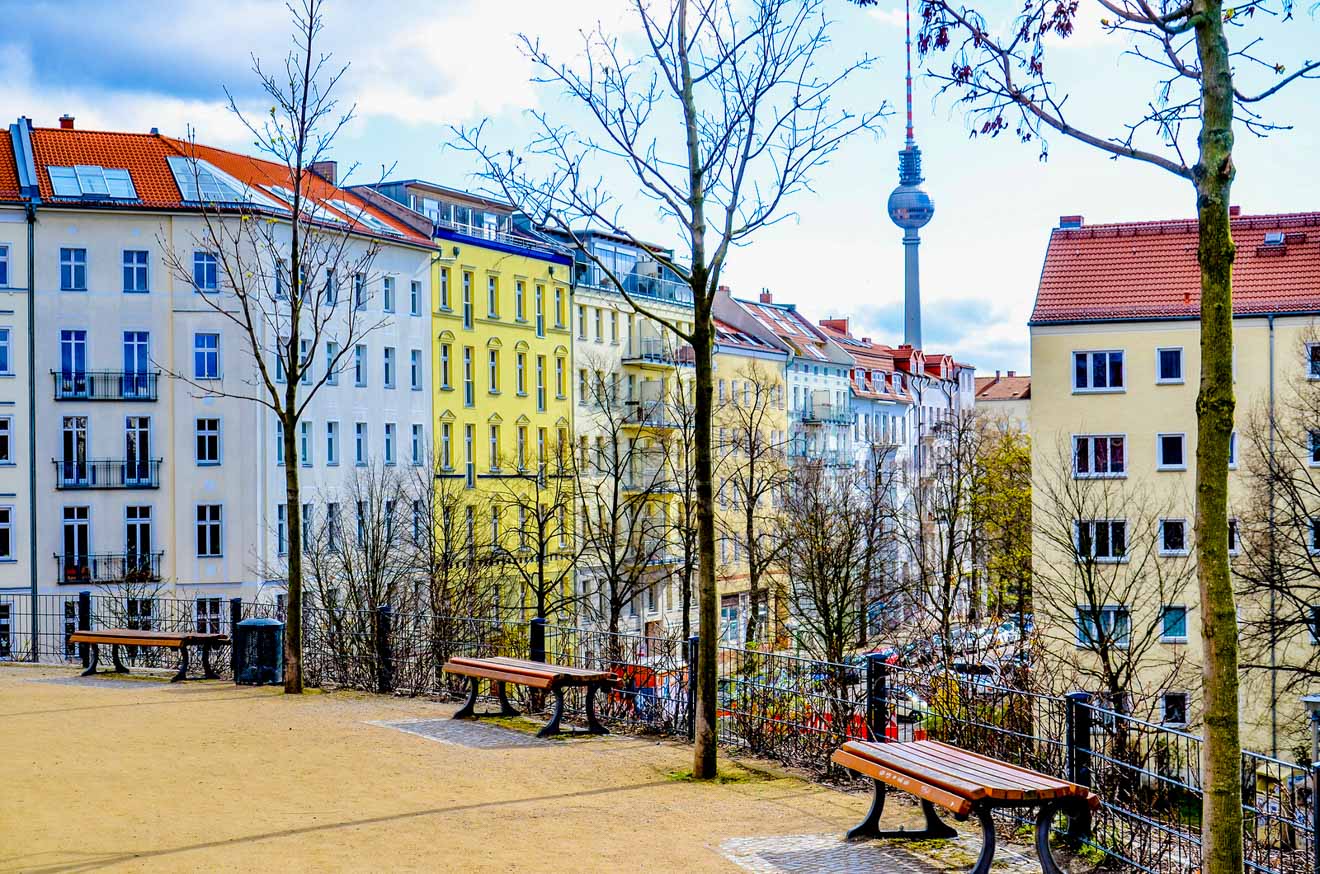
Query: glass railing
637	285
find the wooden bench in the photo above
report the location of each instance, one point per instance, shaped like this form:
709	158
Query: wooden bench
117	637
535	675
965	784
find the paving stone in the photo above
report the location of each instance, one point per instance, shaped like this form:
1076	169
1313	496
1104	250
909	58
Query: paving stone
465	733
830	854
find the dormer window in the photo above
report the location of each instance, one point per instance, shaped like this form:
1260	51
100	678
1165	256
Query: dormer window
1274	238
92	182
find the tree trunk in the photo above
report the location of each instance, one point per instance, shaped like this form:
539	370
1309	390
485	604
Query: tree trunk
293	678
753	575
1213	175
707	593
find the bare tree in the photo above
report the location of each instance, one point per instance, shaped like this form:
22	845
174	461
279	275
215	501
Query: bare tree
679	443
1201	87
754	471
1002	517
752	90
269	261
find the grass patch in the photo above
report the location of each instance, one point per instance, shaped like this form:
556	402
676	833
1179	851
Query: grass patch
520	724
730	773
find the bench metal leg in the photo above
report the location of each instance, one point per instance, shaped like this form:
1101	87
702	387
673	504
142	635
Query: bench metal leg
207	671
870	827
95	650
936	828
987	856
1078	826
183	666
593	724
469	708
114	657
506	709
552	727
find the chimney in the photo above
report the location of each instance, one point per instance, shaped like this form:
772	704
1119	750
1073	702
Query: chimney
1067	222
66	122
866	341
1234	210
1011	373
766	296
325	169
840	325
725	289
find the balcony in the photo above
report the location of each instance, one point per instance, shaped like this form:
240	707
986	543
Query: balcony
107	474
650	414
105	385
825	414
655	352
650	478
111	567
639	285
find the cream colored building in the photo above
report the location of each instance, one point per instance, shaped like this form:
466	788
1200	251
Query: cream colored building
1006	397
1115	363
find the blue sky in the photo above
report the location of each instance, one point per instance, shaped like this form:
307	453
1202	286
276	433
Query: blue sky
419	67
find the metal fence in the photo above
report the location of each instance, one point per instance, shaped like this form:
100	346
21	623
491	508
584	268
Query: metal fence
788	708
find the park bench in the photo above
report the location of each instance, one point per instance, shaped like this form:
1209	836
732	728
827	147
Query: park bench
535	675
117	637
965	784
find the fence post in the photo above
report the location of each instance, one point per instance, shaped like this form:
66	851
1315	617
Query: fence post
1315	817
235	617
692	688
877	697
85	624
536	639
1077	717
384	661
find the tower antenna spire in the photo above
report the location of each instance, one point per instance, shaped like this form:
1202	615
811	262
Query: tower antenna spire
907	7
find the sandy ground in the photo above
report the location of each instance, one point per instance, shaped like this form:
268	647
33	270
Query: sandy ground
206	776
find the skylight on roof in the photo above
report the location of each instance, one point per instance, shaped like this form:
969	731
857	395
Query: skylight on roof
200	182
92	181
360	215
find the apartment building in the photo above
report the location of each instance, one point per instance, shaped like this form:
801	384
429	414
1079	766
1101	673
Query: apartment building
17	535
1006	397
152	470
502	359
881	398
1115	355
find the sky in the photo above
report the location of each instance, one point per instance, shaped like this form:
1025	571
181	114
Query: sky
417	69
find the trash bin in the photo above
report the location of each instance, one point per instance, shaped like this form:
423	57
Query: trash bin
259	652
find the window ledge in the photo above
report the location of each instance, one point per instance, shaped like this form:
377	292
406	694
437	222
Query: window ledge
1099	391
1170	382
1100	475
1171	468
1173	640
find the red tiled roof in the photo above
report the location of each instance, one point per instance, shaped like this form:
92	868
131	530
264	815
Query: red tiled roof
787	323
870	358
1003	388
144	157
728	335
9	189
1148	270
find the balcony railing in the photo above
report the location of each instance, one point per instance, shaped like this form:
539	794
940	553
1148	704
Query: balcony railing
659	352
112	567
651	414
107	474
637	285
823	414
105	385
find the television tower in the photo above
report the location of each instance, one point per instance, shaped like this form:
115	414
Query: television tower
911	209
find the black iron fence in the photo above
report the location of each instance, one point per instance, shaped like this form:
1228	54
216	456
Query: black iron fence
792	709
106	385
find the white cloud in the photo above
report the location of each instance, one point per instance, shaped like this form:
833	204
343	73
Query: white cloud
894	17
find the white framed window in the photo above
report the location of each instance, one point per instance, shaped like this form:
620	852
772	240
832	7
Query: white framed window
6	533
387	294
1232	450
206	356
1169	365
6	352
1313	360
391	432
1100	371
305	362
389	366
210	533
279	441
494	447
208	441
332	443
1234	543
1104	540
308	532
415	369
73	269
520	300
360	444
1109	625
1099	455
359	291
206	272
281	529
207	615
445	353
417	442
492	297
467	300
1173	624
135	271
520	373
469	385
331	371
415	298
561	382
444	289
446	441
1170	451
1174	708
493	370
4	266
305	443
360	365
1173	537
6	439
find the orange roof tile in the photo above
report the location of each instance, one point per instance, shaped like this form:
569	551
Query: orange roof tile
1003	388
9	189
1148	270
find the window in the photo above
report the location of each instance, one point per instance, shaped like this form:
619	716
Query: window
208	441
444	289
387	294
415	298
1169	365
415	369
207	612
332	526
599	335
1175	708
73	269
494	447
540	383
417	445
1103	626
6	353
205	272
281	529
279	442
469	451
445	353
389	366
6	440
305	443
360	365
467	300
582	322
492	297
209	542
135	271
6	533
1102	539
331	288
331	366
1232	450
1171	454
1173	624
305	363
614	327
520	300
582	385
359	291
559	308
560	385
332	443
140	613
446	440
1313	357
4	266
1099	456
520	373
206	356
1097	371
307	530
1234	546
360	443
391	430
522	447
1173	537
469	388
279	363
493	368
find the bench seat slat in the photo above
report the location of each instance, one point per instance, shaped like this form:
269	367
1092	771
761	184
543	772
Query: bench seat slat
937	772
132	637
998	784
997	773
958	803
564	670
958	784
555	674
493	673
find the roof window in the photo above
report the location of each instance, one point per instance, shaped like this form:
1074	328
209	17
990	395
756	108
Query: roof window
200	182
92	181
1274	238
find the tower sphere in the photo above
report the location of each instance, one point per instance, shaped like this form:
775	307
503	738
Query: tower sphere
910	207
